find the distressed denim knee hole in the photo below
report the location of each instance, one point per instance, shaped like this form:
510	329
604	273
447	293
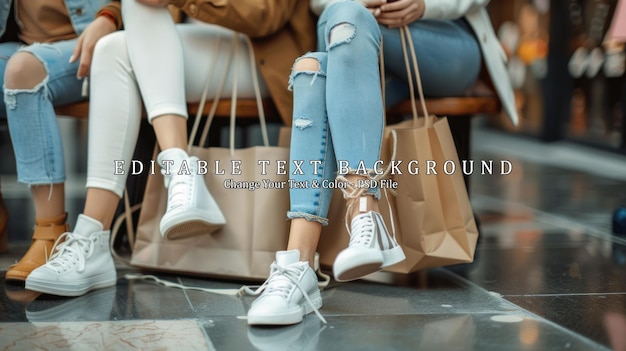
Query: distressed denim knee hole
306	63
342	33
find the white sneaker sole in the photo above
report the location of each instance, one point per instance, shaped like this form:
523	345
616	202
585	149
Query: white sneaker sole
393	256
292	316
189	223
350	265
73	288
353	264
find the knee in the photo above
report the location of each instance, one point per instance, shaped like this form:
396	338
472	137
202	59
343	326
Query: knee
110	48
306	64
24	71
351	16
312	65
341	33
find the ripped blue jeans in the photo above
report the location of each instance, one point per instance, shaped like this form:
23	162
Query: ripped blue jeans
338	111
32	121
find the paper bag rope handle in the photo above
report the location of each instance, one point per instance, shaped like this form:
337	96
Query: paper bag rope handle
234	55
405	37
409	54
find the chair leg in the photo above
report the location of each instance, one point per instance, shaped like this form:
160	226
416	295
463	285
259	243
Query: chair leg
460	126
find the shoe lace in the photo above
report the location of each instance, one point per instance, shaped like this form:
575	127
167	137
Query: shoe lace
365	225
179	190
363	231
71	249
280	283
352	194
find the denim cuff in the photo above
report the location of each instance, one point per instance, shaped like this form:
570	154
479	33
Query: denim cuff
309	217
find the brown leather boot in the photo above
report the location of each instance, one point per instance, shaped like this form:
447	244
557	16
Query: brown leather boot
4	224
47	231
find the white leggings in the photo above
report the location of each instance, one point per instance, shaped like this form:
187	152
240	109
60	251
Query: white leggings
164	64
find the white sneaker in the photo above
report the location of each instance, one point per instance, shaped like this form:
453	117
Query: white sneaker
191	210
371	249
81	263
290	292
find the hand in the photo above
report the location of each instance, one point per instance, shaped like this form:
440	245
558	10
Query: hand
86	43
158	3
373	5
400	13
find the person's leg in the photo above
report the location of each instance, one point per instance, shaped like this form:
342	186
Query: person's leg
114	120
448	54
311	146
353	76
24	73
355	115
309	205
115	101
36	77
334	93
156	55
353	98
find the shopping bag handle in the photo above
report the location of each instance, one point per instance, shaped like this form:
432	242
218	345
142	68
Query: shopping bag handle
233	56
257	94
405	37
203	98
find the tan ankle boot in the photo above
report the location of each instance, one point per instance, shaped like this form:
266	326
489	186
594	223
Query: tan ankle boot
46	233
4	225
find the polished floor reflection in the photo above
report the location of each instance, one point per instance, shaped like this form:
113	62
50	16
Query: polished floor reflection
548	275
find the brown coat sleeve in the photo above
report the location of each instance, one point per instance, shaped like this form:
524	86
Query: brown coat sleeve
255	18
115	7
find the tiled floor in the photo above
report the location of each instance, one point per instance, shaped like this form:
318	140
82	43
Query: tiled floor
548	275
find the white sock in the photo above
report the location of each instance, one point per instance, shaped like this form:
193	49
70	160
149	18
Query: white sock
86	225
175	155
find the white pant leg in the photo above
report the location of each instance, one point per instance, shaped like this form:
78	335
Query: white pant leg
172	65
206	47
156	55
114	114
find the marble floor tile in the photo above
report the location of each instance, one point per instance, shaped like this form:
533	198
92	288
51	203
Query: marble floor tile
106	335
